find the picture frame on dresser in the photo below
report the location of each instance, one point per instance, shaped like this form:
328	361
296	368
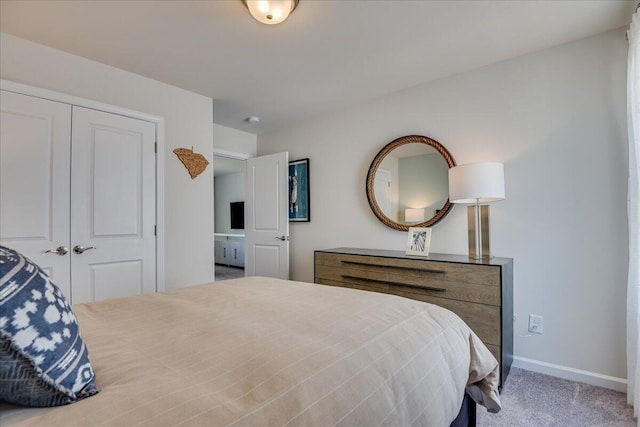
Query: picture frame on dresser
418	241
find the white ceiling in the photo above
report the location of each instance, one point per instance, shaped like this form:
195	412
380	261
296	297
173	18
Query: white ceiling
329	54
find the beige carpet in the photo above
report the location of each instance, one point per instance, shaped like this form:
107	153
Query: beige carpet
532	399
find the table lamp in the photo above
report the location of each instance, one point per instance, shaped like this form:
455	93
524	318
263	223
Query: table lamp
477	183
414	215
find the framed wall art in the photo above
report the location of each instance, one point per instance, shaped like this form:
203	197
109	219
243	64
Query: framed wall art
299	197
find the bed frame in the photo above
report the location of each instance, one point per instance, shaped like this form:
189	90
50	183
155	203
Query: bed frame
467	415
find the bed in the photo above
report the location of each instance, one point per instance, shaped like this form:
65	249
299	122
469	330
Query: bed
258	351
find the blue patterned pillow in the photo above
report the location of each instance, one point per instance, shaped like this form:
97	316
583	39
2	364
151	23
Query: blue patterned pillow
43	359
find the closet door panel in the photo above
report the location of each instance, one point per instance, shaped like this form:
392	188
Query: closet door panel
116	181
116	279
113	206
35	138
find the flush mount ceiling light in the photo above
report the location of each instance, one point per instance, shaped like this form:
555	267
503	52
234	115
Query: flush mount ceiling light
270	11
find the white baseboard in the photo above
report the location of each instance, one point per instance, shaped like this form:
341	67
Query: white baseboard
614	383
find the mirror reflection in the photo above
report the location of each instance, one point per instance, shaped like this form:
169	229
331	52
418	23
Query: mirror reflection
408	182
411	184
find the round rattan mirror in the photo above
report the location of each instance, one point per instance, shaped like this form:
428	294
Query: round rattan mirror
408	184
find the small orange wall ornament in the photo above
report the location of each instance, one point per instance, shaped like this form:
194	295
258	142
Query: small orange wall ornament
194	162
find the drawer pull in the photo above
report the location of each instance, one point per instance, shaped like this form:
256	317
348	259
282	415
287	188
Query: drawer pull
387	282
423	270
361	263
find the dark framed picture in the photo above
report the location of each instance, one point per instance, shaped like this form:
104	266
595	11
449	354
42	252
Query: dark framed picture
299	209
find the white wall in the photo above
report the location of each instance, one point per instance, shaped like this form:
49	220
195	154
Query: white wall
557	120
228	140
188	122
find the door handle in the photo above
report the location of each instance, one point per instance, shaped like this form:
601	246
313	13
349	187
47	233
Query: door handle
60	250
79	249
283	238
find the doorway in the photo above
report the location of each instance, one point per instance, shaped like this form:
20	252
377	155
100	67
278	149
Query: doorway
229	193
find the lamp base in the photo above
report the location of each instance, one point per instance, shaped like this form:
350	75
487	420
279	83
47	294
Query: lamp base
478	236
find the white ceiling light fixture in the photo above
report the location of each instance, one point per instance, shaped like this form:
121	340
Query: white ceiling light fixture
270	11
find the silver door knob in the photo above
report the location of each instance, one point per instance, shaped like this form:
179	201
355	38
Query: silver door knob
60	250
79	249
283	238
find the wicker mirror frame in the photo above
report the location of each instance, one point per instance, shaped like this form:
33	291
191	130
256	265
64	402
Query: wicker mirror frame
372	174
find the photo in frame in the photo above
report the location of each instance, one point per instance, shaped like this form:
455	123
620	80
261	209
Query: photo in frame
418	241
299	198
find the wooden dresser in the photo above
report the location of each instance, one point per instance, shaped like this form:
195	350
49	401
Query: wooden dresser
480	292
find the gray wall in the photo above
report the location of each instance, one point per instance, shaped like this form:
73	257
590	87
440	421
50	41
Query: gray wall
557	120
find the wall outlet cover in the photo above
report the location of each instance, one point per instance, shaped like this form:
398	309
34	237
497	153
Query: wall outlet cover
536	324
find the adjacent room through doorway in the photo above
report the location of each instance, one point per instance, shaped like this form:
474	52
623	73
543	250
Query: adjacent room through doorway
229	192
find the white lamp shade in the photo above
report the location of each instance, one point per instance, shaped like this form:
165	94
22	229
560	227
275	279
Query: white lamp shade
482	182
414	215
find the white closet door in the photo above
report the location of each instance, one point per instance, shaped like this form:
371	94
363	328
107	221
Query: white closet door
35	137
112	206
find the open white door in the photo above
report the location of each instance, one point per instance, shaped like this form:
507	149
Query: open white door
382	191
267	216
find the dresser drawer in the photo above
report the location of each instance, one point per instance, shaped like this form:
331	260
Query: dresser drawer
415	283
496	351
464	273
344	260
408	276
483	319
359	272
370	278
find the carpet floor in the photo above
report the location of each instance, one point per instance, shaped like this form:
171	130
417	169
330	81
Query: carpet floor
224	272
533	399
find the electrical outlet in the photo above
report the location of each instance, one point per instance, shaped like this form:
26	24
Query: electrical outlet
536	324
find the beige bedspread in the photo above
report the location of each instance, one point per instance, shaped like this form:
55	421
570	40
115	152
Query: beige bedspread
266	352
